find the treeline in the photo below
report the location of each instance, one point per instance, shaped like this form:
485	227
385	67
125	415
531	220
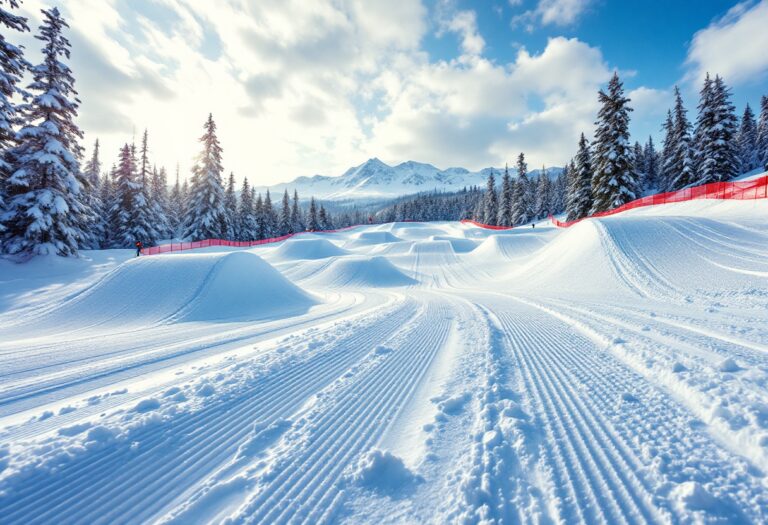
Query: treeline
611	172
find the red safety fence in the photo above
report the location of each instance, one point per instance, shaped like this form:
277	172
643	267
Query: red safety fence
486	226
182	246
739	190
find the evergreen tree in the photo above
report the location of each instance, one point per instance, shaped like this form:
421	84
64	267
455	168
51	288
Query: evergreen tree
747	141
91	198
175	206
206	217
668	148
128	213
762	134
505	203
286	225
107	202
247	227
614	182
12	67
312	224
491	211
230	207
638	164
522	208
579	202
45	214
323	219
258	213
160	204
717	157
270	217
651	165
145	214
544	189
296	223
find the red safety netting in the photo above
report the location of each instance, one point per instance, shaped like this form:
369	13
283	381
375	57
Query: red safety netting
181	246
739	190
486	226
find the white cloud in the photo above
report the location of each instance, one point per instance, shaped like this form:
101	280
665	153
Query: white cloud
465	24
475	112
551	12
313	87
733	46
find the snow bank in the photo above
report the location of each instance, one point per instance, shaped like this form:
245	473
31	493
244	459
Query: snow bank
459	244
375	272
182	287
312	248
508	246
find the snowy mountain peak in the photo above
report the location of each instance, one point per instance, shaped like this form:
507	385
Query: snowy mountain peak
375	179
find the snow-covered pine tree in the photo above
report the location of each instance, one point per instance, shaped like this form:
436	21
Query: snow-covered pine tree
91	198
543	195
651	165
128	225
286	225
107	201
747	141
323	219
579	202
505	200
297	224
762	134
716	155
491	208
44	212
12	67
638	164
270	217
614	182
145	219
668	147
246	220
230	207
175	206
312	224
522	211
258	214
160	203
206	217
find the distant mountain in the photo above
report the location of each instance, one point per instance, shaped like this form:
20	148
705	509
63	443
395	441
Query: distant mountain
374	179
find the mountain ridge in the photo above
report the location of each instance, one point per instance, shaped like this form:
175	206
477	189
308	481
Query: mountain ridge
375	179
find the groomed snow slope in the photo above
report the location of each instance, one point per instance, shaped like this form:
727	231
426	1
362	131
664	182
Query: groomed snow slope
612	372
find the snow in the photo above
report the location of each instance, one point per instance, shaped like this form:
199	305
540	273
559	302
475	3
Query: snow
615	371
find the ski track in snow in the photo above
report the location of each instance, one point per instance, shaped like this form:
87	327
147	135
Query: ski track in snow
613	372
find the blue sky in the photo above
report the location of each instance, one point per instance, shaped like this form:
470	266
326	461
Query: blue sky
300	87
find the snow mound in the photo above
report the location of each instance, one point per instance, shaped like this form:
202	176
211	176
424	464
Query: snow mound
383	472
184	287
362	271
459	244
431	248
371	238
312	248
509	246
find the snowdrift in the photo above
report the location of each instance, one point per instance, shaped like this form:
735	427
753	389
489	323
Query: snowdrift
375	272
508	246
459	244
665	257
312	248
371	238
183	287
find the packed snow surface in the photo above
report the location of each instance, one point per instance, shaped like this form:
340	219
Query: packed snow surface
612	372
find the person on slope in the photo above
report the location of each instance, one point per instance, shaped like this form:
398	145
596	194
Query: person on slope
139	246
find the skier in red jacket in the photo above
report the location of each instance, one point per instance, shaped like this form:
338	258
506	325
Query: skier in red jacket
139	246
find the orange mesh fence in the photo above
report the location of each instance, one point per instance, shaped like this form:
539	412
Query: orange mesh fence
738	190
